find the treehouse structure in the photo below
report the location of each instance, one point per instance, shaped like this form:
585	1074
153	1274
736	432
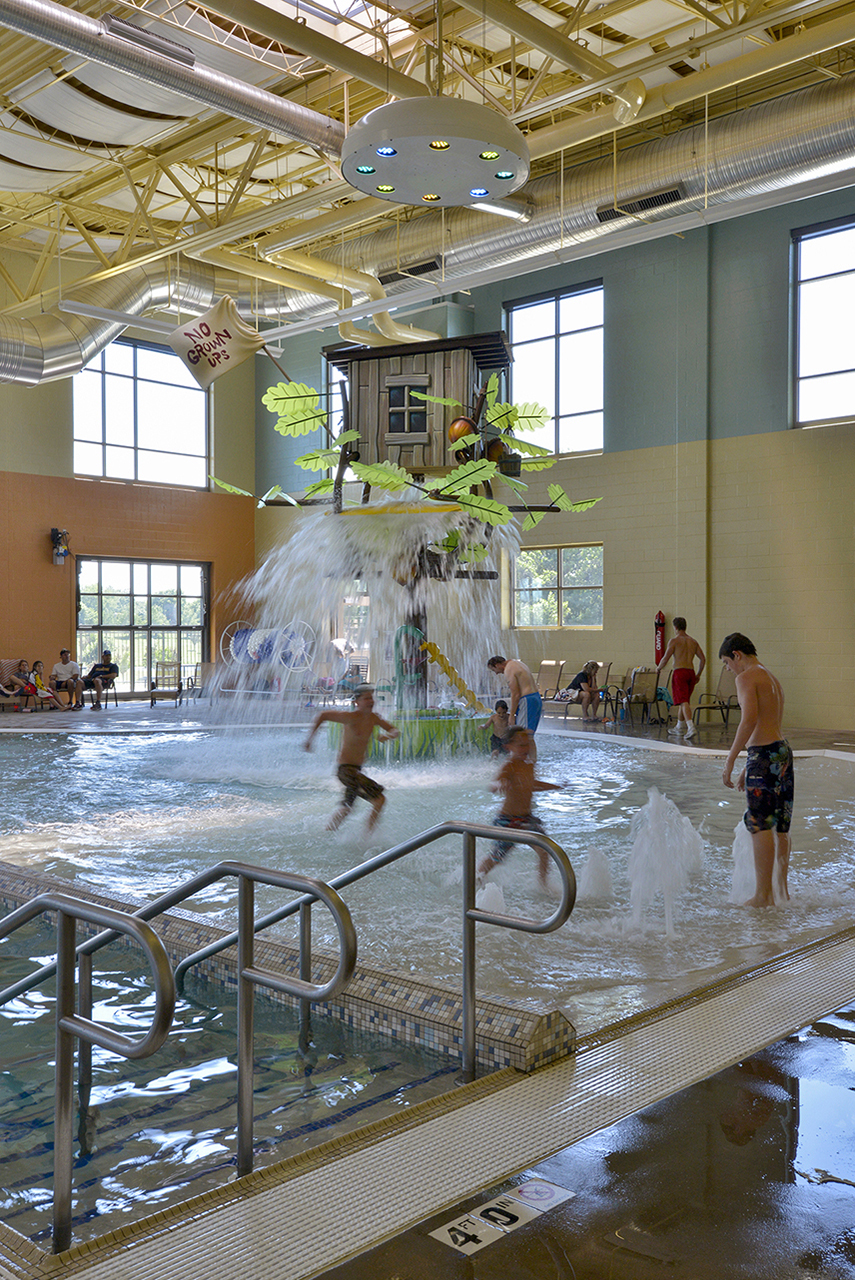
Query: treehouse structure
393	423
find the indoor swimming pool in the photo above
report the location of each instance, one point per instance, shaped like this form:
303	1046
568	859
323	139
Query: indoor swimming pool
132	815
159	1130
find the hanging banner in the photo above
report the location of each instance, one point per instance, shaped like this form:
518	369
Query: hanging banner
214	343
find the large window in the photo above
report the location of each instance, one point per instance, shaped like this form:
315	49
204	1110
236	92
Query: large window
559	587
825	306
140	415
143	613
557	341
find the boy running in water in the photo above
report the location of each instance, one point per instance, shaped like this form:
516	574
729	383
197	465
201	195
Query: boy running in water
357	727
516	781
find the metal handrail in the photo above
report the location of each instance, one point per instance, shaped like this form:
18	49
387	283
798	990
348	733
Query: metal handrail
249	975
69	1024
471	914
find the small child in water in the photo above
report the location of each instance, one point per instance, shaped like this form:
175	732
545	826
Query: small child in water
516	781
499	722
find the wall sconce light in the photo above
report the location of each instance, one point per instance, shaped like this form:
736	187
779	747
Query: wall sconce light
61	549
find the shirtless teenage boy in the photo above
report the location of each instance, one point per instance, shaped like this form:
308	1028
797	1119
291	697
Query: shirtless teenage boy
767	778
683	649
526	703
357	728
516	781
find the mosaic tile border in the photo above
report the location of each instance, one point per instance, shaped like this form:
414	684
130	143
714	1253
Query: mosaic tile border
385	1003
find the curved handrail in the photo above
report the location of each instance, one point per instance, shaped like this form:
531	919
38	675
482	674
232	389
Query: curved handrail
119	922
311	890
70	1024
362	869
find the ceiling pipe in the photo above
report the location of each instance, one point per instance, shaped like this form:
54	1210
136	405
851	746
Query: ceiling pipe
88	38
807	136
684	89
292	280
336	273
301	37
809	133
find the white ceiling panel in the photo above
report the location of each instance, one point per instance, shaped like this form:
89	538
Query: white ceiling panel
18	141
64	107
20	177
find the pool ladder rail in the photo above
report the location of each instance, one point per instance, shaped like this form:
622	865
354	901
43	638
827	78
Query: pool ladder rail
70	1024
249	976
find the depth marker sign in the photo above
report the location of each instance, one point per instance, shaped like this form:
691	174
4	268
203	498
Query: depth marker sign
497	1218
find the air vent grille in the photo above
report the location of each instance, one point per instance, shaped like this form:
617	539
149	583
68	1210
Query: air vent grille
642	204
417	269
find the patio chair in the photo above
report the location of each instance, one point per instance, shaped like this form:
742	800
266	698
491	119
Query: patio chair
641	690
603	669
548	678
167	683
724	700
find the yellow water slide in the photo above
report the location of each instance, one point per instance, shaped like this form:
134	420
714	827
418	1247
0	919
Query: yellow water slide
436	655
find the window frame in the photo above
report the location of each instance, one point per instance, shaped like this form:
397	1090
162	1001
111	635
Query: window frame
556	296
134	450
797	237
109	633
560	589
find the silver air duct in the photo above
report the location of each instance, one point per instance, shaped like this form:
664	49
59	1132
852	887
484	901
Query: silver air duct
761	149
75	33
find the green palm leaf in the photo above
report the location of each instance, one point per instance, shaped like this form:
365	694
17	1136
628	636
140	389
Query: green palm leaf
230	488
532	520
382	475
320	487
466	476
531	416
486	509
559	499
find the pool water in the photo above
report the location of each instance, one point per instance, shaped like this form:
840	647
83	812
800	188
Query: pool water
162	1129
132	815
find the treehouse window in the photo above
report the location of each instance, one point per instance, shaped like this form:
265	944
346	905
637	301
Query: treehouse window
407	414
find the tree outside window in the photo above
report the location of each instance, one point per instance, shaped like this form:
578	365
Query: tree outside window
559	587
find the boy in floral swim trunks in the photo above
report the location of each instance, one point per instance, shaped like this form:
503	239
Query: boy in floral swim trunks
357	727
767	778
517	782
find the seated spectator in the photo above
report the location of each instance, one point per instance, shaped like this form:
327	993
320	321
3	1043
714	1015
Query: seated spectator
583	689
46	695
21	683
65	677
101	676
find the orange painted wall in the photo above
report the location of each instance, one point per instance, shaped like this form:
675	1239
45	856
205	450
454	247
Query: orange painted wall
108	519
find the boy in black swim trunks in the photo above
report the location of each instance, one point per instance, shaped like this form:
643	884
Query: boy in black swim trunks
357	727
517	783
767	778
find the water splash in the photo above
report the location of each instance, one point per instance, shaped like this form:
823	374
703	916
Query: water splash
389	549
744	883
595	877
666	851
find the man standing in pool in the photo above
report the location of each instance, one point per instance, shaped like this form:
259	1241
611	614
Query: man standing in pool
526	703
357	727
767	778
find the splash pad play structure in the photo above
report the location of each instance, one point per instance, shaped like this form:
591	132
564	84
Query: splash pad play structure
384	553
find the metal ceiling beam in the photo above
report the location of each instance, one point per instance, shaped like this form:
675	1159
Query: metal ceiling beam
301	37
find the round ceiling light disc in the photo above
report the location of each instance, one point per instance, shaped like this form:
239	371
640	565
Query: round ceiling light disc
408	150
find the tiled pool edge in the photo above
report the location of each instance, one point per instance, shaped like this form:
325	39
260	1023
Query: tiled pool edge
390	1004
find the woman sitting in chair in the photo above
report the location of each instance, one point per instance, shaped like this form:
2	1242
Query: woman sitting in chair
583	689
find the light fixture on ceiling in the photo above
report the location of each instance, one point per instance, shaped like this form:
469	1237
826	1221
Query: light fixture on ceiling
435	152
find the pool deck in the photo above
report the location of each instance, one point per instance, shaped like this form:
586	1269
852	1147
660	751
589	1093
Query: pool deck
305	1217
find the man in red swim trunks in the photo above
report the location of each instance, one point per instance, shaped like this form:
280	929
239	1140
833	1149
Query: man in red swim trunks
684	649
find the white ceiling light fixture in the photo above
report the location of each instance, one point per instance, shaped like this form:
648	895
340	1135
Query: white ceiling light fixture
438	152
